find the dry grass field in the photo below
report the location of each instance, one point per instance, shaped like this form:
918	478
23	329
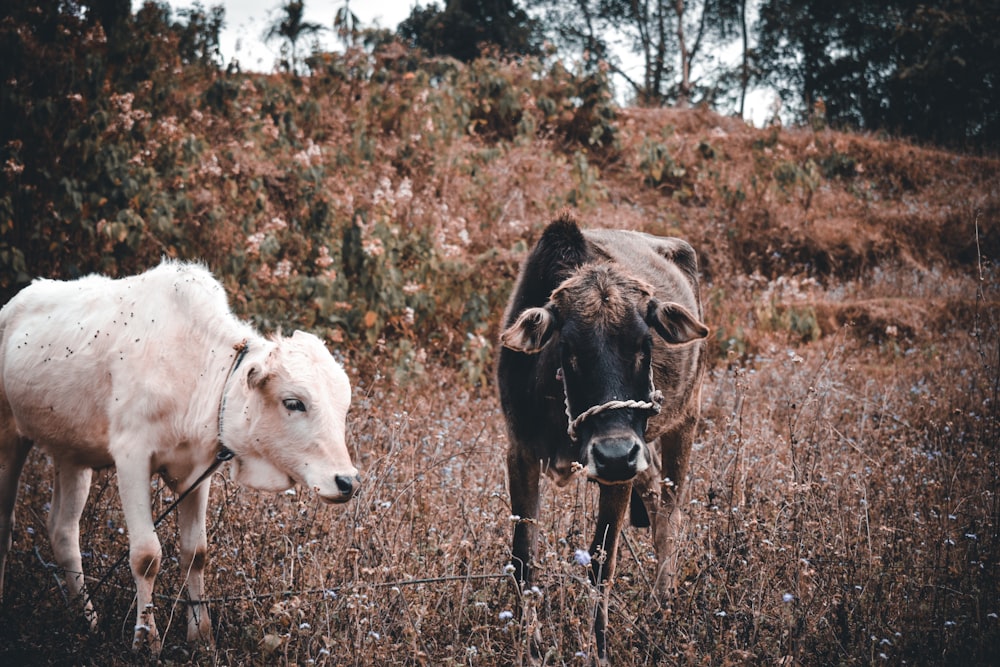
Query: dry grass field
842	510
842	506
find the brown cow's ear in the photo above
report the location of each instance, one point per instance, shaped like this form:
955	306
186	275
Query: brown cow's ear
675	323
532	330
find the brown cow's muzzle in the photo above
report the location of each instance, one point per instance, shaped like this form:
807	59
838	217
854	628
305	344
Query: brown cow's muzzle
617	459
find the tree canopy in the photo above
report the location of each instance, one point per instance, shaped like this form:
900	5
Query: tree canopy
463	27
925	70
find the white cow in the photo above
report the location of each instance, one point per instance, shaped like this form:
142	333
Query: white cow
144	373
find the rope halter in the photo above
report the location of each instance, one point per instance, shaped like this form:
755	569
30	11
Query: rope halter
652	405
241	349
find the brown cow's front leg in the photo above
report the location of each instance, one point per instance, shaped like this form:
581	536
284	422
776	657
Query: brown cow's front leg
522	479
612	506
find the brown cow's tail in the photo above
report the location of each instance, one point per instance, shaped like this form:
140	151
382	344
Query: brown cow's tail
637	511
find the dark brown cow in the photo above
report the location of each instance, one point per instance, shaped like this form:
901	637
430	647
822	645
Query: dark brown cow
602	353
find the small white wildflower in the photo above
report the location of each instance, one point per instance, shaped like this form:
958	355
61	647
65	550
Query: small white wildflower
304	626
721	613
373	247
506	615
283	269
509	568
582	557
405	191
787	597
374	635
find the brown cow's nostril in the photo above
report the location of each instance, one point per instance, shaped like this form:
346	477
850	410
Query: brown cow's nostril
633	456
345	484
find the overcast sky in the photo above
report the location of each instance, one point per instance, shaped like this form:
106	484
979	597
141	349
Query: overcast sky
246	21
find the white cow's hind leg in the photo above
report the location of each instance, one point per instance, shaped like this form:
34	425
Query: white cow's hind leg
69	495
144	548
194	547
13	451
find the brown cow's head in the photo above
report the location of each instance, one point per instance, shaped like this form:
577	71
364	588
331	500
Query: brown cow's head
602	322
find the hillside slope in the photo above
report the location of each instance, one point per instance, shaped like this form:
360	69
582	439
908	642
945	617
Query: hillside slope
843	499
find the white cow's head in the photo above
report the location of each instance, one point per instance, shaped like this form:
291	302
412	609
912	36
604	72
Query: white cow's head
284	419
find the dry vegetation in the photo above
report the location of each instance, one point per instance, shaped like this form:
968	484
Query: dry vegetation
843	500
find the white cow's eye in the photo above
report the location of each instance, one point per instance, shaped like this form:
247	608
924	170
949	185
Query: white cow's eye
294	405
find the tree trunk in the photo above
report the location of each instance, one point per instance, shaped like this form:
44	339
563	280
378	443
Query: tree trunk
684	92
745	67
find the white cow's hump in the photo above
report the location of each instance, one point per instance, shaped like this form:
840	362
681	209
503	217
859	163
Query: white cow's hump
173	286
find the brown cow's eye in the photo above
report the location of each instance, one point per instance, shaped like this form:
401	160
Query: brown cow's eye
294	405
574	363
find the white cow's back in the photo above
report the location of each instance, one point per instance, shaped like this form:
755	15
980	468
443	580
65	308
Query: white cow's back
78	355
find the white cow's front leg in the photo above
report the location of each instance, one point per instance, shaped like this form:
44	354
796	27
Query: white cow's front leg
194	548
69	495
144	548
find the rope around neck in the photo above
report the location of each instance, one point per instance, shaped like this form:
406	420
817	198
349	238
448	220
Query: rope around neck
653	405
241	351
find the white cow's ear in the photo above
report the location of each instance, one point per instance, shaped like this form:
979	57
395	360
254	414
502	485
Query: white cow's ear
530	333
257	375
675	323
